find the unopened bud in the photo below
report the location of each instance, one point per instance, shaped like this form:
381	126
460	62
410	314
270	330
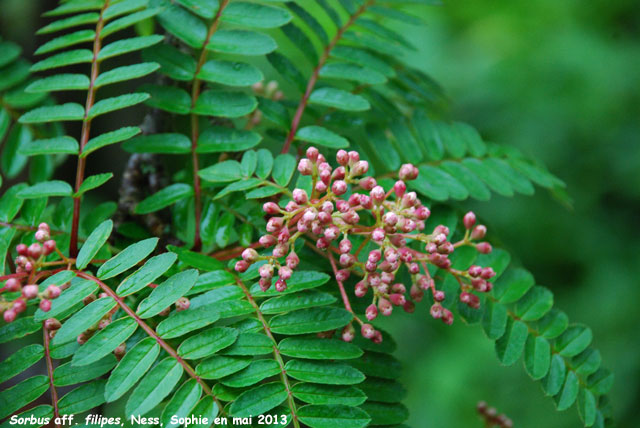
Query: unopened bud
484	247
182	304
30	291
479	232
469	220
241	266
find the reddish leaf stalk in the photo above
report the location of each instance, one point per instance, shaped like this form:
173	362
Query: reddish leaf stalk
84	136
295	123
52	388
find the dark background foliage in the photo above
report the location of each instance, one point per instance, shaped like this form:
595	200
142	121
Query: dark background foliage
560	81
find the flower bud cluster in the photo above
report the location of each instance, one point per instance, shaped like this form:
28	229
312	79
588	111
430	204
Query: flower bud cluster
341	206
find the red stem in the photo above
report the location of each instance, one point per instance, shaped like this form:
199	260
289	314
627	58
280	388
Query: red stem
151	332
195	128
84	136
295	123
52	388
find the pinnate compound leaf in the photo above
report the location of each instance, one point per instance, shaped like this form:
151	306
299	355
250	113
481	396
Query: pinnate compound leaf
220	366
255	15
314	393
554	379
127	72
93	182
222	172
68	111
573	341
283	168
80	288
46	189
57	145
537	356
220	139
241	42
116	103
14	398
257	371
535	304
68	374
230	73
181	323
94	242
224	104
333	416
181	403
81	320
322	136
83	398
121	47
59	82
167	293
259	400
159	143
149	272
104	341
312	320
318	349
164	198
207	343
131	368
155	386
20	360
339	99
510	346
127	258
173	62
108	138
325	372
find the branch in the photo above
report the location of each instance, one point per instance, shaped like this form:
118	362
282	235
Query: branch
276	352
84	136
52	388
295	123
151	332
195	131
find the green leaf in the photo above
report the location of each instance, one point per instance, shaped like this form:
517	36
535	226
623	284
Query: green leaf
222	172
322	136
167	293
510	346
131	368
333	416
241	42
537	356
93	182
600	382
121	47
14	398
68	111
224	104
587	407
124	73
255	15
94	242
204	8
312	320
185	26
533	305
116	103
221	365
128	21
42	411
57	145
84	318
164	198
155	386
491	177
318	349
569	392
218	139
66	40
339	99
325	372
80	288
206	408
59	82
328	394
77	56
181	323
196	260
573	341
385	413
476	188
258	370
236	186
230	73
105	341
553	324
122	8
587	362
9	52
68	374
108	138
383	390
512	285
74	6
70	22
263	192
14	74
46	189
159	143
10	203
346	71
288	70
249	343
173	62
149	272
19	361
554	380
494	319
83	398
207	343
300	280
378	364
127	258
182	402
291	302
258	400
168	98
283	169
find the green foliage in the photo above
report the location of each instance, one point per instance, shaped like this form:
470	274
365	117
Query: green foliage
236	350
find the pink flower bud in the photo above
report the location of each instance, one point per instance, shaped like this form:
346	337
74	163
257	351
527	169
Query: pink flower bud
345	246
371	312
351	217
42	235
264	283
414	268
390	219
9	315
44	227
408	172
271	208
368	183
331	232
52	324
488	273
338	173
385	306
436	311
361	289
266	270
13	284
342	157
348	333
479	232
377	337
49	247
292	260
439	296
250	255
19	306
377	194
370	266
475	270
275	224
469	220
447	316
285	272
347	260
322	243
241	266
325	175
342	275
422	213
409	307
409	199
484	247
305	166
281	285
400	188
353	157
53	291
312	153
416	293
316	227
310	214
30	291
291	206
45	305
34	251
283	236
359	168
339	187
367	331
397	299
267	240
378	235
440	239
182	304
280	250
300	196
446	248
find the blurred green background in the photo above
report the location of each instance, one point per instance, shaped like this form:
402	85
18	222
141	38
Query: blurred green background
560	80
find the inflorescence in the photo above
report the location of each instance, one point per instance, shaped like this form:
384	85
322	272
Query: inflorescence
332	215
